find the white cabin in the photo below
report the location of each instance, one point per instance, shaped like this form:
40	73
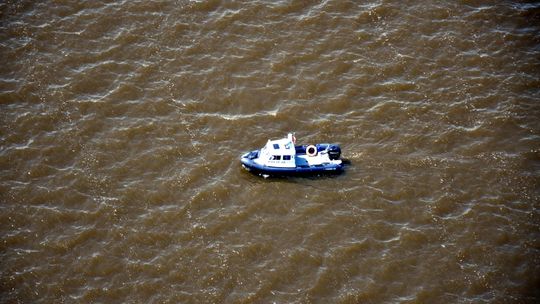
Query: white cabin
278	153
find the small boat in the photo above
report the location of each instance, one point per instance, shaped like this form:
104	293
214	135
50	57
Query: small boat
281	157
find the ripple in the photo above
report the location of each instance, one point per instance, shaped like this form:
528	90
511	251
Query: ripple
122	124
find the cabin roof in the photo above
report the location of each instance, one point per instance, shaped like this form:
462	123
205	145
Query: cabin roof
281	146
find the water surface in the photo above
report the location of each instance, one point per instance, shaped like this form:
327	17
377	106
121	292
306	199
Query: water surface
122	122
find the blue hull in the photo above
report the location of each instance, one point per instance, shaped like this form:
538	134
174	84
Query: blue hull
255	168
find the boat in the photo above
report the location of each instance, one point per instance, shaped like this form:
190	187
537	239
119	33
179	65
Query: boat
282	157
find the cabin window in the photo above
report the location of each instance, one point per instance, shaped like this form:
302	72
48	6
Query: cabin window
286	157
276	146
275	157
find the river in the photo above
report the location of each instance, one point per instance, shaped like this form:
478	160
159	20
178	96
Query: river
122	124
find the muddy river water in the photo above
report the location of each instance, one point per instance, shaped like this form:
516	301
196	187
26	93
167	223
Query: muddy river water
122	124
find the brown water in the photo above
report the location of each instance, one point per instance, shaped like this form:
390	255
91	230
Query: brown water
122	123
